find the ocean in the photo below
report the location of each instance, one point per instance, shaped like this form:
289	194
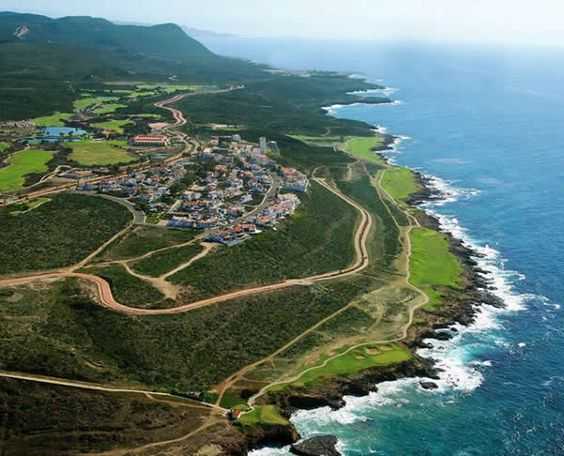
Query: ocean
487	124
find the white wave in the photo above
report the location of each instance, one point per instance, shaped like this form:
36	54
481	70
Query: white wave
386	91
271	452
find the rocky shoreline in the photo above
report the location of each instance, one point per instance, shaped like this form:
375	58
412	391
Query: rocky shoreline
461	308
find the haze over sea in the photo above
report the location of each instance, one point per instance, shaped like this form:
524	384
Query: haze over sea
488	123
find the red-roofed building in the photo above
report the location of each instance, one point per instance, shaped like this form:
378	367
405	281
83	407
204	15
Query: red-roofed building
150	140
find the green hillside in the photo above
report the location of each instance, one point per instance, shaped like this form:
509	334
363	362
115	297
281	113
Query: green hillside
45	62
166	40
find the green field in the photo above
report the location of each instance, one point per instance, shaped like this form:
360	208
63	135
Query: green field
108	108
263	415
161	263
54	120
433	266
113	125
58	233
400	183
21	164
353	362
100	153
86	102
362	148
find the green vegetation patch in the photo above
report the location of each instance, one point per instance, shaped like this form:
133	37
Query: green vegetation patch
363	148
352	362
161	263
21	164
58	233
83	421
400	183
130	290
108	108
263	415
27	206
58	331
433	266
114	125
100	153
54	120
318	238
4	146
145	239
86	102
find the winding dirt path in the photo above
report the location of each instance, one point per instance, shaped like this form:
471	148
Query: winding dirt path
107	299
108	389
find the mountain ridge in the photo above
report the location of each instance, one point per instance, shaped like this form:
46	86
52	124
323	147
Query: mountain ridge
166	40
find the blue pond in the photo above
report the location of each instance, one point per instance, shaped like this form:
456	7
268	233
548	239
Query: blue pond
56	134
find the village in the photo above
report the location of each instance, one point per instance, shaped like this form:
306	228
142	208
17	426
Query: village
229	188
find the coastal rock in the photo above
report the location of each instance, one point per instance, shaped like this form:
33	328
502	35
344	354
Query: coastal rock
263	436
323	445
428	385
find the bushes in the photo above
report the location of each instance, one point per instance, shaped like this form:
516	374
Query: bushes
130	290
161	263
58	233
177	352
145	239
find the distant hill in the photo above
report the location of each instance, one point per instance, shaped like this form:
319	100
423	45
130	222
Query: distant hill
43	61
166	40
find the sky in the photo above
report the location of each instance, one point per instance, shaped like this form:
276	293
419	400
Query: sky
492	21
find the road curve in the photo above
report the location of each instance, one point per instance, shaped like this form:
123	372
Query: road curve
108	301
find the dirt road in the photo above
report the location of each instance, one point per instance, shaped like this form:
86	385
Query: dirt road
106	298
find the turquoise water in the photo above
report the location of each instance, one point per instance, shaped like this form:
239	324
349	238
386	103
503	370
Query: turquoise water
488	124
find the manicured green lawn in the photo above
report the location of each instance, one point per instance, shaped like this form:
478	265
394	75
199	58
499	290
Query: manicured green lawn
82	103
100	153
113	125
362	148
318	140
12	177
108	108
54	120
356	361
400	183
432	265
265	414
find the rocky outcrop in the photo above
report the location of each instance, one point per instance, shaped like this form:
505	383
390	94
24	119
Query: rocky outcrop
263	436
323	445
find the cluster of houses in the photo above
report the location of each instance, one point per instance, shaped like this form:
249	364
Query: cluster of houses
234	175
230	188
283	206
147	187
